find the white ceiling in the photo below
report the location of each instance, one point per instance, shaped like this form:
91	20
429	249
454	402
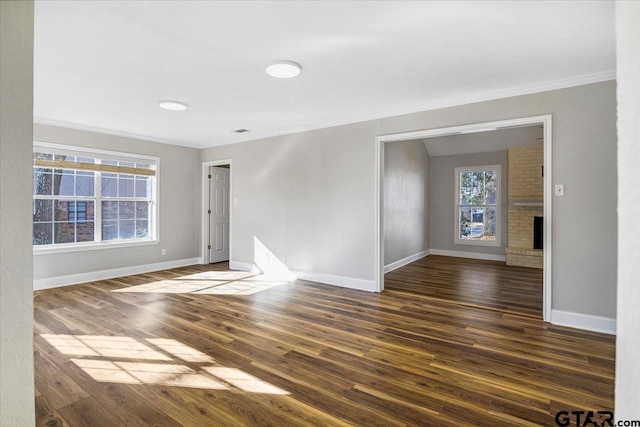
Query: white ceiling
105	65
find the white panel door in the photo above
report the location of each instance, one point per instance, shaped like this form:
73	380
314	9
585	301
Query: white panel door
219	214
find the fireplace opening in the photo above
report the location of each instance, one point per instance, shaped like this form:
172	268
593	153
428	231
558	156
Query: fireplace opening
538	233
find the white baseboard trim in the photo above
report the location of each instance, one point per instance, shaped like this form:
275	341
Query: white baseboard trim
588	322
404	261
328	279
474	255
92	276
342	281
243	266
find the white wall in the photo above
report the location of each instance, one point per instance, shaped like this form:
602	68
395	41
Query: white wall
310	196
406	200
16	296
179	211
628	342
442	203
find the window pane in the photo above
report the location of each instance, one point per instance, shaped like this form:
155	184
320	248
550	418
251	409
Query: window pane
127	210
477	223
119	220
127	229
85	231
489	224
63	185
465	223
64	232
125	186
62	210
142	228
109	230
85	210
471	188
42	210
42	233
42	182
142	210
109	185
84	185
109	210
490	190
43	156
141	186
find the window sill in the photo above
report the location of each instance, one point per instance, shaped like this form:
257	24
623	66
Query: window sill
493	243
50	249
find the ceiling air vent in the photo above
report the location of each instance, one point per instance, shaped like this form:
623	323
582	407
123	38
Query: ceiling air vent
241	130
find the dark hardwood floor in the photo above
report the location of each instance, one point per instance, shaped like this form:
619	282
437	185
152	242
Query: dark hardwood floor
449	342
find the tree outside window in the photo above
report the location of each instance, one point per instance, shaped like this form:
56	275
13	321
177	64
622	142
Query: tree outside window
78	199
477	205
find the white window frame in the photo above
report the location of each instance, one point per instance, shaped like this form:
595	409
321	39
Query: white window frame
457	206
154	208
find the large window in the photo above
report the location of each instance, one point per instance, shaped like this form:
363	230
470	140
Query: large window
83	198
478	205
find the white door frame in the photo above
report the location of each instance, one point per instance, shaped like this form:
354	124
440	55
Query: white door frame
204	236
545	121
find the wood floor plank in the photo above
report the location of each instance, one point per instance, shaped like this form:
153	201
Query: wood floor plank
88	412
46	415
450	341
57	387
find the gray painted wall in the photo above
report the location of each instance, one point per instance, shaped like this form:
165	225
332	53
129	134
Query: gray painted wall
310	196
442	182
179	206
627	343
307	196
406	199
16	296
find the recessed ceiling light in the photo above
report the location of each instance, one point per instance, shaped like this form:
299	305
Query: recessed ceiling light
284	69
168	104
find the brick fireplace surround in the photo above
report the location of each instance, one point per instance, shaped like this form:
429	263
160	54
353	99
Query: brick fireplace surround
526	191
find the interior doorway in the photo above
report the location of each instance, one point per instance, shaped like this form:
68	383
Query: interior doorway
543	121
219	217
217	211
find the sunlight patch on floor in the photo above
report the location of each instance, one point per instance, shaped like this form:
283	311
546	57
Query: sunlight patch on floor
147	373
99	356
210	283
219	275
107	346
244	381
240	288
179	350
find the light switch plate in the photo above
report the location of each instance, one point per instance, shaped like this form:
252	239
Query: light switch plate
559	190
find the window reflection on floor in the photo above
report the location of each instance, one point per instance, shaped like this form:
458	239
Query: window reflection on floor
127	360
210	283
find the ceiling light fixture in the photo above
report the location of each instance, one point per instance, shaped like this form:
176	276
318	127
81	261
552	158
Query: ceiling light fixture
283	69
169	104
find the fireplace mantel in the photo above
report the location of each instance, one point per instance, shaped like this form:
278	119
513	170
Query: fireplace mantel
526	202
